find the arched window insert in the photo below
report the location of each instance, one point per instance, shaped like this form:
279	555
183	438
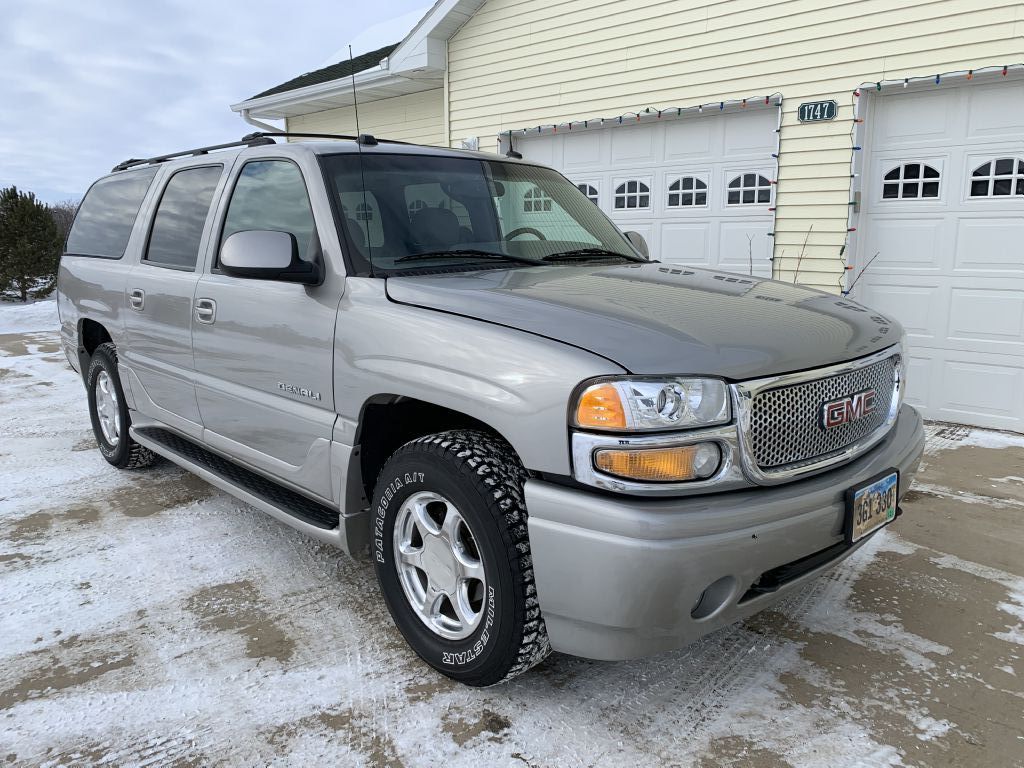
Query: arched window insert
536	200
911	181
749	189
364	212
589	190
997	178
687	190
632	194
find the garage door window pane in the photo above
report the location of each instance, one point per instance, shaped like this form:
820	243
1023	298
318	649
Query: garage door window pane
749	189
998	178
687	191
590	191
536	201
911	181
632	194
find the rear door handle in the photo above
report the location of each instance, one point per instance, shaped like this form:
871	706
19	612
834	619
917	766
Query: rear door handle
137	299
206	311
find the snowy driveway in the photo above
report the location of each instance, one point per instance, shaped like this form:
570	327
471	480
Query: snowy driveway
146	618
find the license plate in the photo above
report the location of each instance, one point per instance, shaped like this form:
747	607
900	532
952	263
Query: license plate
872	505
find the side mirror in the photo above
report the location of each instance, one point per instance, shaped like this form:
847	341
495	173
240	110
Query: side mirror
638	242
265	254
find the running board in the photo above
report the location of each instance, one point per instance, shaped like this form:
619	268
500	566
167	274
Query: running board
291	508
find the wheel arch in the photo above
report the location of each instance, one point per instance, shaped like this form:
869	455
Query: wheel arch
387	421
91	334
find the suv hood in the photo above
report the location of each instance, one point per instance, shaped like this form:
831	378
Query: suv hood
662	319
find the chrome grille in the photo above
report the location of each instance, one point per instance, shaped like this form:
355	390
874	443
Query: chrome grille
785	422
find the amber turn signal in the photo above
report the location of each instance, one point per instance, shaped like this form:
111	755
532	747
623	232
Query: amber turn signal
676	464
601	407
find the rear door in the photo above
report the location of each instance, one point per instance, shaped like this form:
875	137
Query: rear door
264	350
159	295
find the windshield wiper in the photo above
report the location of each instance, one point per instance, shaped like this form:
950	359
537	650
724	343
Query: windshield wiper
589	253
469	253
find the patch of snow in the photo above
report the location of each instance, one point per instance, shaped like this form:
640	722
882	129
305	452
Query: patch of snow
861	627
930	728
24	318
1009	580
1007	669
1014	634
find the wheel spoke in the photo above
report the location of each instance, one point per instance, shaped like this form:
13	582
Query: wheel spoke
413	557
423	520
460	602
450	527
469	568
430	602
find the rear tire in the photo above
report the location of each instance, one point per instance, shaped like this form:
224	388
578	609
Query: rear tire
482	628
109	412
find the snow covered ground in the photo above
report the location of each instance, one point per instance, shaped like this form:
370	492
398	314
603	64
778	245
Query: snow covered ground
146	618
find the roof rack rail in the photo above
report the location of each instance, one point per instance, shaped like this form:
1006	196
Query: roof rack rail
365	139
259	138
252	140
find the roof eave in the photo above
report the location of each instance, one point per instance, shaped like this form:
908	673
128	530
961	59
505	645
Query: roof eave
383	83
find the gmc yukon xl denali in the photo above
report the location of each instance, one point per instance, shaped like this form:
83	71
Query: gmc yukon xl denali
454	363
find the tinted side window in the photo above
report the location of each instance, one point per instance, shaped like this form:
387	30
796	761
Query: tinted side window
107	214
270	194
181	216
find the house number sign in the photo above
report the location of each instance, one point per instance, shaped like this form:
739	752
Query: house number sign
816	111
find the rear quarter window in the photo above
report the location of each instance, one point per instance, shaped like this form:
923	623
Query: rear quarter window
106	216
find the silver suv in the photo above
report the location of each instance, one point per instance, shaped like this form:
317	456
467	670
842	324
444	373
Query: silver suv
455	364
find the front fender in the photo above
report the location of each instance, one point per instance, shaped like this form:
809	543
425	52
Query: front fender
517	383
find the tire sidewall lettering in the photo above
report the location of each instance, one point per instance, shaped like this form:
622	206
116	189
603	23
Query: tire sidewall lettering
408	478
459	658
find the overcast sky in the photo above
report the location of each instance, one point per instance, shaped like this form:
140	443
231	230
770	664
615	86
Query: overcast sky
84	85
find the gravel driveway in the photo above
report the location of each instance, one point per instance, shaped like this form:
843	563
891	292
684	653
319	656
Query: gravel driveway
146	618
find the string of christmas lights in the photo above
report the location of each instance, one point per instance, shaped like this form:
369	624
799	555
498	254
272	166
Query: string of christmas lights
648	114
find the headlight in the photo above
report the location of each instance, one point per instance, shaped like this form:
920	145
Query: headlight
638	405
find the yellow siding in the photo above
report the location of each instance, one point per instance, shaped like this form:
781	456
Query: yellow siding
418	117
520	63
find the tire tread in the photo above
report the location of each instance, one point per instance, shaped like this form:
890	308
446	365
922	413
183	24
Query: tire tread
487	457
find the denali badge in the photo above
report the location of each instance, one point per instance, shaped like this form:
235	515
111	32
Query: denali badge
298	391
856	406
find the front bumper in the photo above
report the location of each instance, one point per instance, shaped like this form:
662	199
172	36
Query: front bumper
619	578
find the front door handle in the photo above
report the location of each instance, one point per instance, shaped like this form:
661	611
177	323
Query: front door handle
206	311
137	299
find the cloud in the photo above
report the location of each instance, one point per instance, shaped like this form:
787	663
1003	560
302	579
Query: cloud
86	85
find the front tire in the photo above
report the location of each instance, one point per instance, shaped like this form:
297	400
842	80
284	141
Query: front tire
453	559
109	412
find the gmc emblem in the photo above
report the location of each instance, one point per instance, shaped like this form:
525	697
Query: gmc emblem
847	409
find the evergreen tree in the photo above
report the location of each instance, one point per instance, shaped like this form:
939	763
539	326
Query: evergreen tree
30	245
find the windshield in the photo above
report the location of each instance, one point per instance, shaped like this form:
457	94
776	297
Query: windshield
422	212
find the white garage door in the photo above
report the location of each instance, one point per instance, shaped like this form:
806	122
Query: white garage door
943	199
697	188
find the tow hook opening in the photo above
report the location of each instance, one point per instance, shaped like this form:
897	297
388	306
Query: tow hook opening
714	597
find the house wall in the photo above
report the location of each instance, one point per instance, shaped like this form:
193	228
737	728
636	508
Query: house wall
519	63
417	117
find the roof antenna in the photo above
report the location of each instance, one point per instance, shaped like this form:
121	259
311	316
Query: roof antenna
511	150
366	139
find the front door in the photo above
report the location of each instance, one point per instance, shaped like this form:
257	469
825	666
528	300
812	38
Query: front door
264	350
159	297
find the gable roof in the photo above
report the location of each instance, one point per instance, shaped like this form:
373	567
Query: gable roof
345	68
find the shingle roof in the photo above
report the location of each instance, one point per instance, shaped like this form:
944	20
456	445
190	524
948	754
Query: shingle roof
334	72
